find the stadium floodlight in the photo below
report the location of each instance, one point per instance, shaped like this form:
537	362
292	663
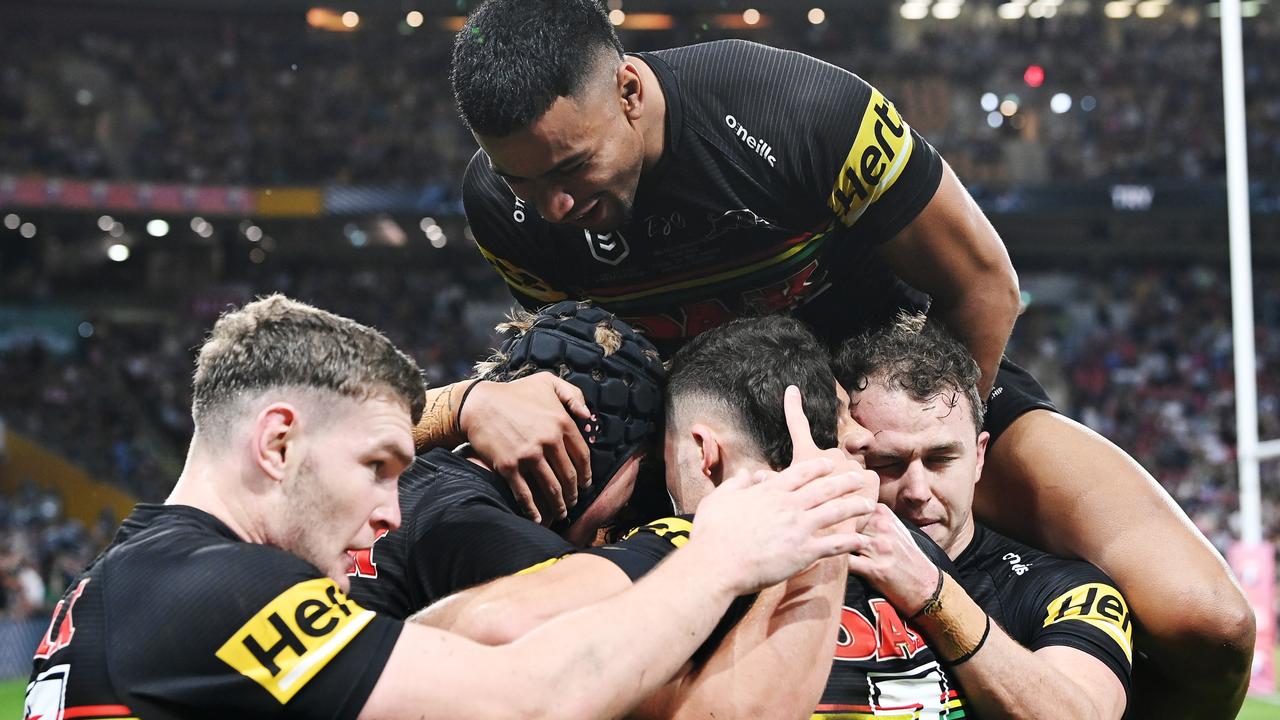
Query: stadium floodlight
946	10
995	119
751	16
817	16
1009	108
12	221
989	101
85	330
414	19
914	10
118	252
350	19
1088	103
617	17
1149	9
1060	103
27	230
157	228
1117	9
253	233
1011	11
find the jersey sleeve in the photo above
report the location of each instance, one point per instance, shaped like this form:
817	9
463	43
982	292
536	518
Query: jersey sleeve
1079	607
257	633
640	550
847	151
506	232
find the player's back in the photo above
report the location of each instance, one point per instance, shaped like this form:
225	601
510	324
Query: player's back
460	526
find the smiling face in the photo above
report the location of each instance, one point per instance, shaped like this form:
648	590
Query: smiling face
343	494
927	457
580	162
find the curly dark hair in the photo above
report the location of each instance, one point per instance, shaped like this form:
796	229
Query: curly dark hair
917	356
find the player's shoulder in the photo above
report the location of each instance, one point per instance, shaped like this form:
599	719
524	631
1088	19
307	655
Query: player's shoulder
753	76
1010	562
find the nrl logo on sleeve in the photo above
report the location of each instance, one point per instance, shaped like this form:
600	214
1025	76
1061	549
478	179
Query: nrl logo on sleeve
1098	605
609	248
880	151
291	639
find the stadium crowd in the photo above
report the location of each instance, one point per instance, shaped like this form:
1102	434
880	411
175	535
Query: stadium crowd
374	108
1141	356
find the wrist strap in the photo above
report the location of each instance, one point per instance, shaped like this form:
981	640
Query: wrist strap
933	603
974	651
457	414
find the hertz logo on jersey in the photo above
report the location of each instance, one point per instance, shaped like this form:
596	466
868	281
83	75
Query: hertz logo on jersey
879	153
291	639
1099	605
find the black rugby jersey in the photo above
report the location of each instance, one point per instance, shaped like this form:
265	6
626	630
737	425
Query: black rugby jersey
1042	600
460	526
179	618
882	667
779	175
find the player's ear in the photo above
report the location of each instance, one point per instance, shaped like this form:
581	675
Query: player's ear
710	452
984	437
274	438
630	90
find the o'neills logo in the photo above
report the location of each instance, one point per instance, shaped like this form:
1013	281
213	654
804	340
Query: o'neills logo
761	148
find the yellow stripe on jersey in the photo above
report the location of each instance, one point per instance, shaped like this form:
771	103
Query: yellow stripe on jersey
523	280
1098	605
294	636
875	161
674	530
540	566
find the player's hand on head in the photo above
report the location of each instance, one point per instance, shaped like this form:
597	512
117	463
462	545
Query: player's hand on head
887	556
804	448
525	429
765	527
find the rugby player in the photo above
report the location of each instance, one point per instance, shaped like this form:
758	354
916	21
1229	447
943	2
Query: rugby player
722	416
683	187
228	600
1062	646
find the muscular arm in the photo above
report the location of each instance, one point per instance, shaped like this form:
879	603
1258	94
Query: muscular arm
1053	483
570	667
951	252
763	668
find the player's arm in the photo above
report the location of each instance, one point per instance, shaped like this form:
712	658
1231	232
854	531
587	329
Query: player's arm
1053	483
601	660
772	664
1006	680
1001	678
507	609
951	251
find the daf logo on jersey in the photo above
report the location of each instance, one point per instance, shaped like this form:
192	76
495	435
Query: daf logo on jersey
761	147
887	638
609	248
1098	605
291	639
879	153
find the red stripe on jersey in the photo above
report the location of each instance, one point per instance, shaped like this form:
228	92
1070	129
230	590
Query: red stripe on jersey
96	711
